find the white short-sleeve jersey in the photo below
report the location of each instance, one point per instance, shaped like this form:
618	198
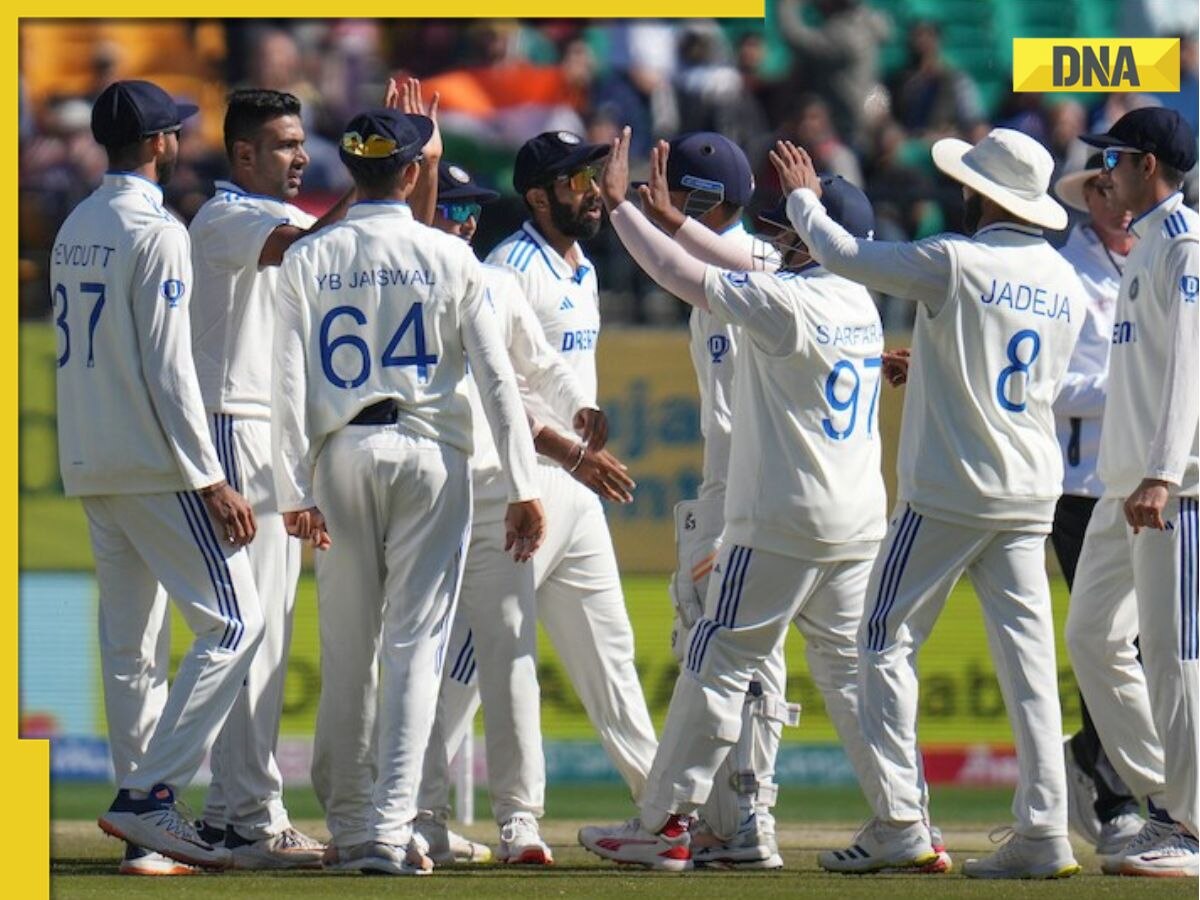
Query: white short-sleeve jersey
233	299
566	302
804	468
977	444
1079	408
1152	419
541	372
379	307
130	416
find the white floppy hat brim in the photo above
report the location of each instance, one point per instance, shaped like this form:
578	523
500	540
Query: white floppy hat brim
1044	210
1070	188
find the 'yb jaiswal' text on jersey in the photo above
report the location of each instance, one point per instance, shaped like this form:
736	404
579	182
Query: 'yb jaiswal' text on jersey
380	300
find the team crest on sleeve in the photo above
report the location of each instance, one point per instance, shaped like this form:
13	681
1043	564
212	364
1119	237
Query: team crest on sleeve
738	279
172	291
718	346
1189	286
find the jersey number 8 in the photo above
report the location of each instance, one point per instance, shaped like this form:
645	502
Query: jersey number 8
419	358
1020	368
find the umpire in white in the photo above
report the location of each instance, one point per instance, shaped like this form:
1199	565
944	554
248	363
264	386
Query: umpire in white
134	444
1137	571
371	433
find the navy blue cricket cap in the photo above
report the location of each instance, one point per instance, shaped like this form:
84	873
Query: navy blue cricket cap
550	154
127	111
456	184
379	141
846	205
707	161
1151	129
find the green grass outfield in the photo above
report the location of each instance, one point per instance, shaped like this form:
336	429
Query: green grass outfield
810	819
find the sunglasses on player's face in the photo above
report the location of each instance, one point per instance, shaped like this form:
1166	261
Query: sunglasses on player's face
581	179
1112	157
459	212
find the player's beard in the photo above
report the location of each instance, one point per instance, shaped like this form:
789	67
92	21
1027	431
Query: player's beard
165	168
572	224
972	213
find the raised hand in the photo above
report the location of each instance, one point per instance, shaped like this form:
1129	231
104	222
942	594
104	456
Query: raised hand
795	168
413	103
614	180
656	194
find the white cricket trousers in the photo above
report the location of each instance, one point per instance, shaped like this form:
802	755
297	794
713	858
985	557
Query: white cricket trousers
582	608
921	560
143	543
493	653
247	787
752	596
1142	587
398	508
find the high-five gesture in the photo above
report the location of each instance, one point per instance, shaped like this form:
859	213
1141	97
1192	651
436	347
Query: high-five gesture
656	194
406	97
795	168
614	181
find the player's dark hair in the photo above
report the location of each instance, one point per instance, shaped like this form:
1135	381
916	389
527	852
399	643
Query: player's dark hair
377	182
1169	174
251	108
125	157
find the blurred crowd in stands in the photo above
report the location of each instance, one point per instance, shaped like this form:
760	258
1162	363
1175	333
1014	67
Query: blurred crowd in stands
865	87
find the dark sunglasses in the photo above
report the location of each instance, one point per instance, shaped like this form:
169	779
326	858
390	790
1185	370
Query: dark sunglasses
459	212
581	179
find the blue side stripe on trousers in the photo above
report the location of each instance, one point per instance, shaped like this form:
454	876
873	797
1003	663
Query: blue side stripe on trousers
729	581
889	582
736	601
221	568
1189	638
189	515
465	652
704	630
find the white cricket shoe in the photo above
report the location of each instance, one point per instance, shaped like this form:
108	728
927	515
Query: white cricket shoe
668	850
751	847
1172	856
879	846
446	847
290	849
941	863
140	861
1025	857
521	842
1116	833
1153	832
1081	798
379	858
156	824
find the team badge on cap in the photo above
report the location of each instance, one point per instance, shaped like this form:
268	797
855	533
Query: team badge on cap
458	174
567	138
374	147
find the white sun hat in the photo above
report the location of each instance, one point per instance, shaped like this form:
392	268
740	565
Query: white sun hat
1009	168
1070	186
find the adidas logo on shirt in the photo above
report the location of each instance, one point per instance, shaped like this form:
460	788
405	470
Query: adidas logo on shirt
566	304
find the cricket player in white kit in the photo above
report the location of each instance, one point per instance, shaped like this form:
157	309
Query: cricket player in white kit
1137	571
980	472
492	653
708	182
800	550
1100	808
371	435
238	240
134	445
580	601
